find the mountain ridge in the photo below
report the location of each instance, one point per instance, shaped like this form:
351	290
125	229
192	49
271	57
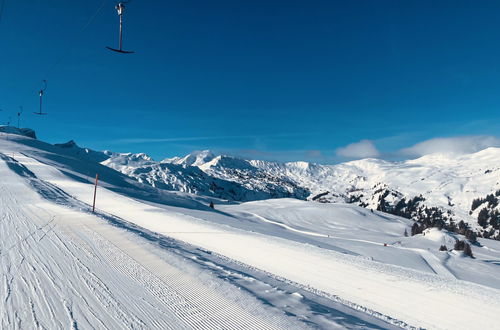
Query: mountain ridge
434	190
444	181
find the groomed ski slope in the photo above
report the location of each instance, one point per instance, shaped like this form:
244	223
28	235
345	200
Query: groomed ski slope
301	253
64	269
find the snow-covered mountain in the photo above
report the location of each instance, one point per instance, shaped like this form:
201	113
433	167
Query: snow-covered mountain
195	158
18	131
152	258
72	148
203	173
437	189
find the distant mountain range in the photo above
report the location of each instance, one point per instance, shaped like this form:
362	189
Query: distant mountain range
436	190
458	192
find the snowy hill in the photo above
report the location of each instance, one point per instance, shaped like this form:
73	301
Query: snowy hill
438	186
18	131
89	154
195	158
151	258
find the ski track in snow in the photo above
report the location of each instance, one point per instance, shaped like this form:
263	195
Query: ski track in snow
399	295
431	260
29	161
39	287
306	232
217	312
59	273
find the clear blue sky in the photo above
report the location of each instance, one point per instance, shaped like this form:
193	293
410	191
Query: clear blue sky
285	80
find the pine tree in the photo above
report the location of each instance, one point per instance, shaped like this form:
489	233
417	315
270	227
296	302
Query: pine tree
476	203
465	247
462	226
415	229
468	250
495	219
471	236
459	245
483	217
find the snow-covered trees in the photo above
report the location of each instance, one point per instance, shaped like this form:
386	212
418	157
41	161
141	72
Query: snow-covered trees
415	229
488	216
463	246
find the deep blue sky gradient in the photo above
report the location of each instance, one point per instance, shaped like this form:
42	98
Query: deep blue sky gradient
285	80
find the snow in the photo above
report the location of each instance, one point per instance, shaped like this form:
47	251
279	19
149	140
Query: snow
448	181
195	158
297	254
18	131
64	268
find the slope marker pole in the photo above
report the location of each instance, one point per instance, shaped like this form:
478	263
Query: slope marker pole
95	191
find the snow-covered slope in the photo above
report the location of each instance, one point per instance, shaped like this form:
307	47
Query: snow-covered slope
156	259
89	154
65	268
446	182
18	131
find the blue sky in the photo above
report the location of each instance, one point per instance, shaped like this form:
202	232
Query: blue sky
281	80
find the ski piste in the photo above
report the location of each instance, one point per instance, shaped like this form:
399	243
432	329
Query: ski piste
266	264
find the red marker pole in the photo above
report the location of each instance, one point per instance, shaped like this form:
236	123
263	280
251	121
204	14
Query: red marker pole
95	191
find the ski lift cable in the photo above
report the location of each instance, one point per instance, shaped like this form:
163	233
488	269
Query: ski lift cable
66	52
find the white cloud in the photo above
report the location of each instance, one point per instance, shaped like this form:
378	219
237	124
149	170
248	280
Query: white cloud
361	149
457	145
201	138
